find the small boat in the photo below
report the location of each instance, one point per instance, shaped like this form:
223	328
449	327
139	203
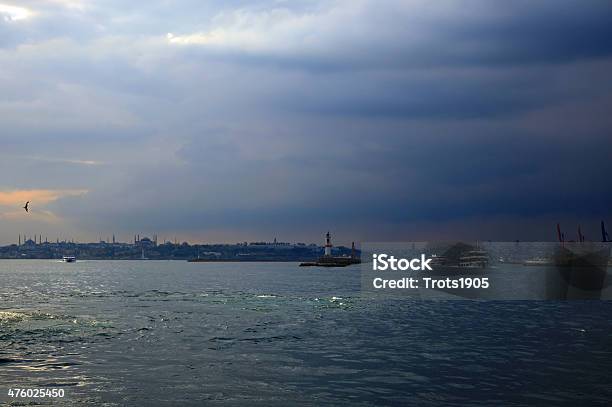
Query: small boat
539	261
69	259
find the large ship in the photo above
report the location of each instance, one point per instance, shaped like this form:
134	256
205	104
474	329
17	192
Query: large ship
474	259
459	258
579	268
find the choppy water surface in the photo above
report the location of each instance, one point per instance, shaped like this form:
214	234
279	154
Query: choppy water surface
178	333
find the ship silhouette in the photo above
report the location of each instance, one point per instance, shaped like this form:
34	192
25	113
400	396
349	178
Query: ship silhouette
579	268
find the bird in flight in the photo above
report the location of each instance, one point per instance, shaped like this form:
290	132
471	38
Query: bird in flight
26	206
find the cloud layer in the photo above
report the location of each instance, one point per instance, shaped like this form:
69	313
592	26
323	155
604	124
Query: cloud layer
379	120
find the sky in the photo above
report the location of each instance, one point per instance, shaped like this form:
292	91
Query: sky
226	121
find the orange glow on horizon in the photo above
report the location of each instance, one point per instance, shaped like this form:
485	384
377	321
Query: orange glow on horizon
37	197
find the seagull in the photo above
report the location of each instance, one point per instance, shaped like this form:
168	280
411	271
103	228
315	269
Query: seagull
26	206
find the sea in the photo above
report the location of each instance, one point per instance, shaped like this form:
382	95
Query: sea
168	333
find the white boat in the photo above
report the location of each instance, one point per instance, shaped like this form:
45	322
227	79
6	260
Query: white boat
69	259
538	261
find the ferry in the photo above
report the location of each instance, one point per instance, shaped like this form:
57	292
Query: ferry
474	259
69	259
460	259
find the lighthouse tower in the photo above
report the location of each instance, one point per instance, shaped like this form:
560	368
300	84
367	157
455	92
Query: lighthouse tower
328	245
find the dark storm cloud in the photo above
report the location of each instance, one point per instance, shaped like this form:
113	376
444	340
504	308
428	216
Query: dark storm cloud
410	35
524	32
295	117
439	95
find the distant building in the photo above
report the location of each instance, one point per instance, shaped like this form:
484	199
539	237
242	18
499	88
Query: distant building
145	242
29	244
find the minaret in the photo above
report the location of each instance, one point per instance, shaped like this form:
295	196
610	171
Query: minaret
353	250
20	239
328	245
